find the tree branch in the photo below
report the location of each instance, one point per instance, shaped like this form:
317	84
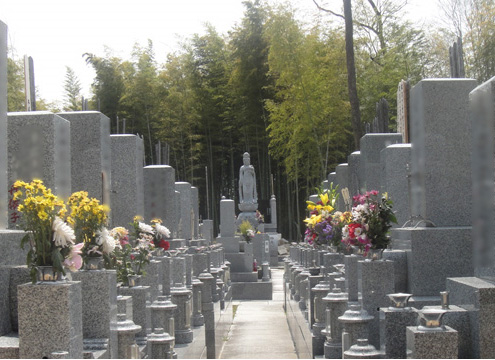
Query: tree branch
328	11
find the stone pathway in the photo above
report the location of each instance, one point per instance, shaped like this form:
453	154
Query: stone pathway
259	329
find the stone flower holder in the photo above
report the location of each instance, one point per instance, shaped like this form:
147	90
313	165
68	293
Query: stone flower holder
399	301
362	350
432	319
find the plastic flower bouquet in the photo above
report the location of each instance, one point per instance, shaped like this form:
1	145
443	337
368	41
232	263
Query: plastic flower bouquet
88	218
51	240
372	218
160	234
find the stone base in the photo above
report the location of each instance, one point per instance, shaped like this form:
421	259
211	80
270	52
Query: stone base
244	277
318	343
333	351
394	325
12	254
183	336
139	310
45	325
198	320
240	262
177	243
252	291
436	254
478	297
9	346
432	344
230	244
399	257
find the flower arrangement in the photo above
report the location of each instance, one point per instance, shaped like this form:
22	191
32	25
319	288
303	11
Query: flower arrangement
88	218
372	218
246	231
51	240
143	245
323	225
121	258
160	233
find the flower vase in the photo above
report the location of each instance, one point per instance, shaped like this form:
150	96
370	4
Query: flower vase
356	250
133	280
93	263
375	254
47	274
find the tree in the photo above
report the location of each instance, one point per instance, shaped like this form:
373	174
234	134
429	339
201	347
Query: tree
15	85
72	89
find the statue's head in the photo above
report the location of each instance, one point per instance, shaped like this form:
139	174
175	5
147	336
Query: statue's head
246	159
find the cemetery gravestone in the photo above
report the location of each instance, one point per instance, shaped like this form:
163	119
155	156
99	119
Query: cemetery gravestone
127	179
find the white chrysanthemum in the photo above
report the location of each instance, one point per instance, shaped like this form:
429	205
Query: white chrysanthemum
345	231
162	230
145	228
105	240
63	234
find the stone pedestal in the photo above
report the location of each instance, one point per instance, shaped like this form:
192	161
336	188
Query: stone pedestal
356	322
182	298
153	279
336	303
208	312
351	276
199	264
197	317
399	259
44	325
318	314
139	310
227	218
432	344
160	345
99	309
185	199
178	271
127	330
395	323
377	281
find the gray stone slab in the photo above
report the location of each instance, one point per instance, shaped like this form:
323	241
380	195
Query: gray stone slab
432	344
245	277
395	324
39	147
342	174
139	310
185	199
259	248
195	211
159	195
99	305
351	276
90	153
230	244
395	165
227	218
127	179
478	297
207	230
399	259
371	145
356	176
241	262
5	324
9	346
332	178
12	254
441	134
44	325
377	281
438	253
3	125
482	108
18	275
252	290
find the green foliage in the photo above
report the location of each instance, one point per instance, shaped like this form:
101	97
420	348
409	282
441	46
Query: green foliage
15	85
72	89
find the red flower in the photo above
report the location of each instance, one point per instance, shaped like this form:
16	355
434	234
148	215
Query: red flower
132	257
164	244
352	228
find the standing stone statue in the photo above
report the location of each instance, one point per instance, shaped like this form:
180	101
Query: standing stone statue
248	196
247	184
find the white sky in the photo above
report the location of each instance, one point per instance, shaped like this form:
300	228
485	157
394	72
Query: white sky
56	33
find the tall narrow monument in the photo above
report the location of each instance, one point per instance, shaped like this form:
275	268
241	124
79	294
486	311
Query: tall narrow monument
248	196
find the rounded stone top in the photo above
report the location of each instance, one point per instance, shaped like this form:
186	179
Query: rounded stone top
205	276
336	295
124	325
160	336
362	350
163	303
322	286
355	314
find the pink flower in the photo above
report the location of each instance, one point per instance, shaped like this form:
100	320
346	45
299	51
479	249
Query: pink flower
74	261
374	192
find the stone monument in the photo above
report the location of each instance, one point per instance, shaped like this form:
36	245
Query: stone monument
248	196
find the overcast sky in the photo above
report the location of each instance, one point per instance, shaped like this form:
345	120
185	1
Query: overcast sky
56	33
